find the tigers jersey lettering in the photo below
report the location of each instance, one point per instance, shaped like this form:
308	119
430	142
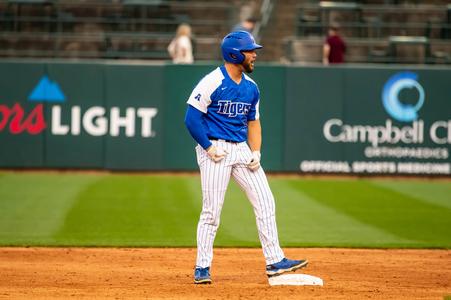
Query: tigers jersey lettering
228	106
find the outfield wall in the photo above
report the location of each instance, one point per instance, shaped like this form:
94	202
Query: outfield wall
118	116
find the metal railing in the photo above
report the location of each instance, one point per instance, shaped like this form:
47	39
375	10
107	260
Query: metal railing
393	50
265	12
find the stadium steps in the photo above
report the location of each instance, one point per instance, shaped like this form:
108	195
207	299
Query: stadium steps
281	24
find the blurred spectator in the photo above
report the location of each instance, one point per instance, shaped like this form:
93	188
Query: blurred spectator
246	25
334	47
180	48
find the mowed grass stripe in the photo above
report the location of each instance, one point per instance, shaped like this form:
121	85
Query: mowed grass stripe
427	224
156	210
133	211
33	206
306	221
434	192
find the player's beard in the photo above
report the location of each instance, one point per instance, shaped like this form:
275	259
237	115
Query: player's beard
248	66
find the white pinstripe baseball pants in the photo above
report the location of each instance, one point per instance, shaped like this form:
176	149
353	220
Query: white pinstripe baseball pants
215	178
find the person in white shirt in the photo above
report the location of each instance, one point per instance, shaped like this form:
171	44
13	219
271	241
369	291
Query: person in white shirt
180	48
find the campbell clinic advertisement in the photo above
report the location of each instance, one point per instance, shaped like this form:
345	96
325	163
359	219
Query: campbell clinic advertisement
368	121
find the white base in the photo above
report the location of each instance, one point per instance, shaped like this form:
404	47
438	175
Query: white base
295	279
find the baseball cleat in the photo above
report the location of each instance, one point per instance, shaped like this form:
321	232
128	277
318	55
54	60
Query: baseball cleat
285	265
202	275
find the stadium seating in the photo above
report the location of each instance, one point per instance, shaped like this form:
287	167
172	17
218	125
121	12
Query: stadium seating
108	28
376	31
388	32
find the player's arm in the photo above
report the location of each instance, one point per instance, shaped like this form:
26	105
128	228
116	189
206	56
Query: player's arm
194	119
254	135
254	140
198	103
195	125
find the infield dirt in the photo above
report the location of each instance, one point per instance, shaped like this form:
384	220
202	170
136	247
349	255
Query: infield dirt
166	273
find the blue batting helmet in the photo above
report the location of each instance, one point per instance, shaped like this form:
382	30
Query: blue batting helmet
234	43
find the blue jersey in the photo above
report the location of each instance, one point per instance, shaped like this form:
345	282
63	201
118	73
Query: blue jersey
227	106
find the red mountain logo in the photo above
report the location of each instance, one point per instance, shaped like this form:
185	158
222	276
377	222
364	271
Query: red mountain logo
33	123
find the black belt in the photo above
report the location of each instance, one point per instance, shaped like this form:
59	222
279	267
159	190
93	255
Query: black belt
228	141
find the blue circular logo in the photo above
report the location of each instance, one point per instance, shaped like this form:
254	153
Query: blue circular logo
390	96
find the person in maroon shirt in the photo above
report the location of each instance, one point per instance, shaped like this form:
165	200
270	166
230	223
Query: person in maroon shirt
334	48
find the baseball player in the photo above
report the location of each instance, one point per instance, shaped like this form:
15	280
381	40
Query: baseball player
223	118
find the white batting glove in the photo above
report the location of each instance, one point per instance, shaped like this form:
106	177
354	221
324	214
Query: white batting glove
216	153
254	164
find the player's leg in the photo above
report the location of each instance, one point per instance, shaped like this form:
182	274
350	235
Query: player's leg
256	187
215	178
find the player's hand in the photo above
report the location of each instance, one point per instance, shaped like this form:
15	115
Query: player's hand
216	153
254	164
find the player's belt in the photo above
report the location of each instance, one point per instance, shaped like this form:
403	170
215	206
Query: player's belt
228	141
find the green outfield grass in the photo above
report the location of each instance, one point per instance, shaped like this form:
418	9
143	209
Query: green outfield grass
61	209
